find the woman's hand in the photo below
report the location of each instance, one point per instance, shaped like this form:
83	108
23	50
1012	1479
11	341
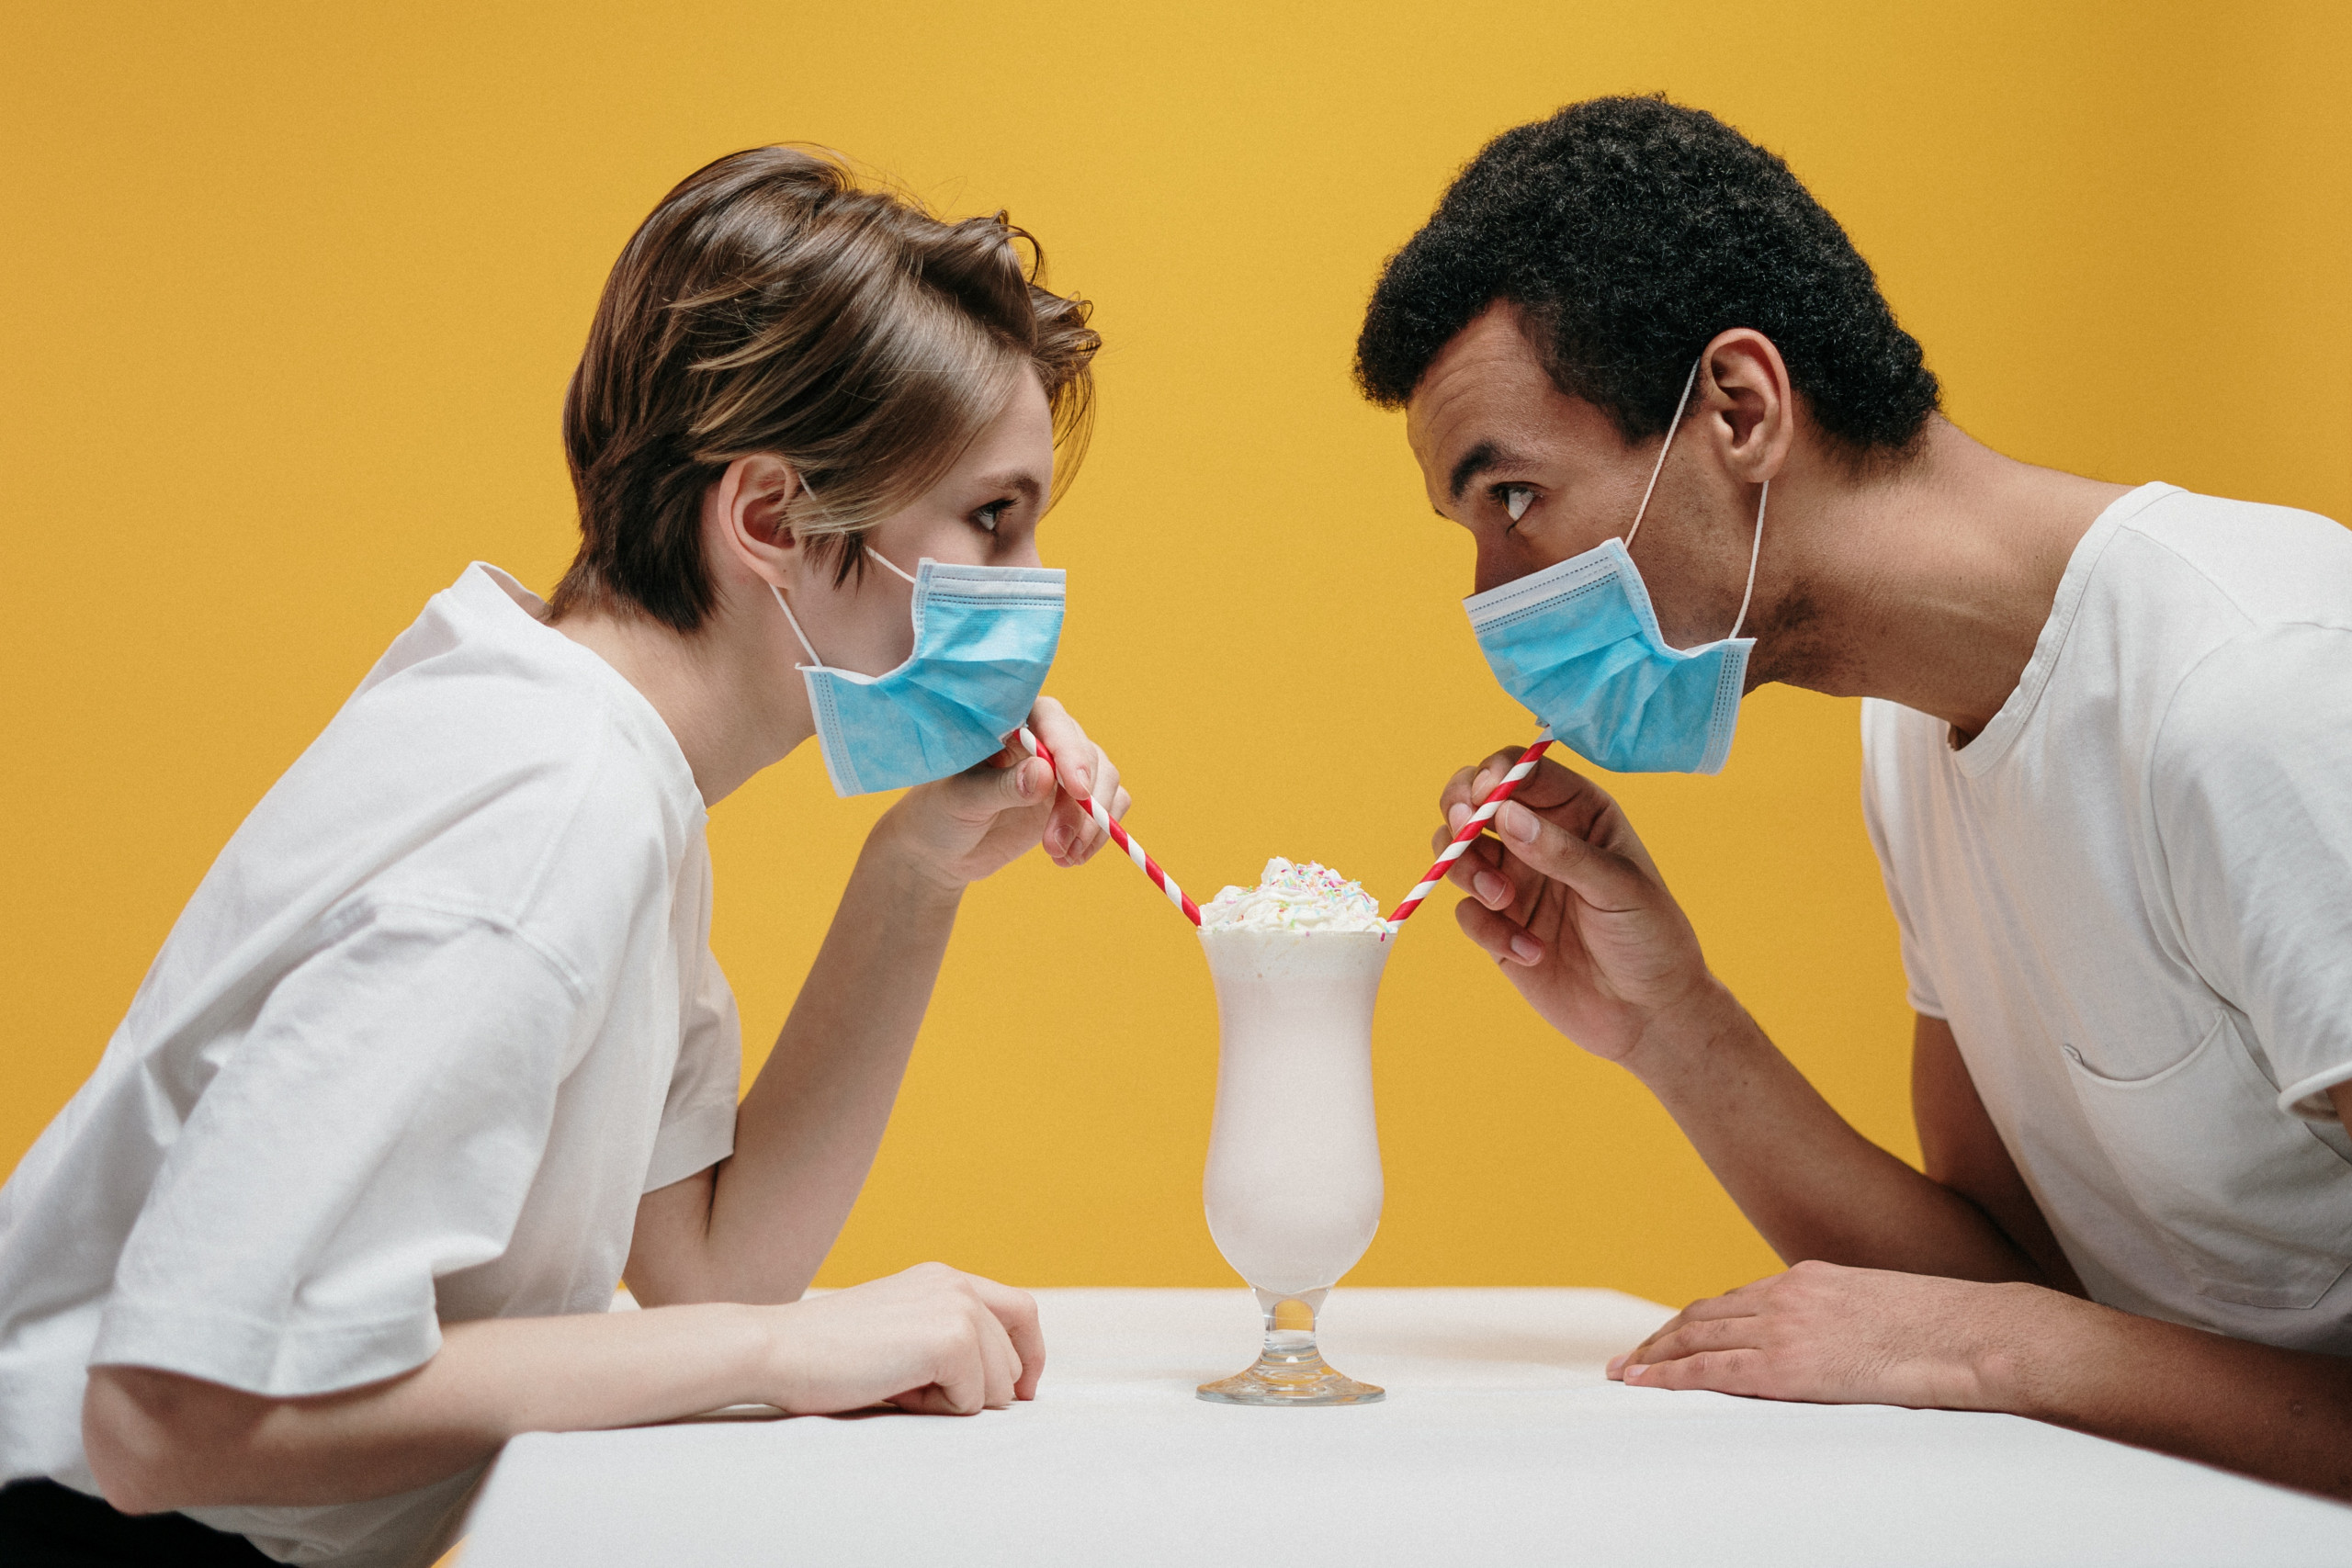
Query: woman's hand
933	1339
961	828
1837	1335
1566	898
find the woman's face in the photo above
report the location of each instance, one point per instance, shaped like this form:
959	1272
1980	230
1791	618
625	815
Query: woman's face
981	513
984	512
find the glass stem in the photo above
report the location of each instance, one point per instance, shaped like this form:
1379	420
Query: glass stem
1290	1327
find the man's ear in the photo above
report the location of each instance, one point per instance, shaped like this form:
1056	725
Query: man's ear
746	517
1749	405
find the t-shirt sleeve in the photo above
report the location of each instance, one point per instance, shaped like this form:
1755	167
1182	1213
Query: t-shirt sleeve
2252	783
1886	819
377	1124
698	1115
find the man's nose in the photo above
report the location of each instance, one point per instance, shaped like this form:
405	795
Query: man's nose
1495	566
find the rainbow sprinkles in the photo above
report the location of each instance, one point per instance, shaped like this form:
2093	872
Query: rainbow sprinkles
1294	897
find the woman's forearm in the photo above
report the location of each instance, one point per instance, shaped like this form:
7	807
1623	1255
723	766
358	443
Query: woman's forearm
1812	1185
805	1136
2282	1415
157	1439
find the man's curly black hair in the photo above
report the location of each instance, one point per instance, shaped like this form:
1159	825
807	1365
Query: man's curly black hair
1630	231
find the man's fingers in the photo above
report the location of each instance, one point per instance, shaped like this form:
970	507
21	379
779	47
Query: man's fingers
1734	1306
1603	879
1694	1338
1740	1301
1725	1371
1504	939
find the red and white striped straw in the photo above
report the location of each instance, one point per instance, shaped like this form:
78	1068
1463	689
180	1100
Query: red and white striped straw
1472	828
1110	825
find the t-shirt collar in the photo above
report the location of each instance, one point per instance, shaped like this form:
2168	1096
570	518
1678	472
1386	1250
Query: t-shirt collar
1993	742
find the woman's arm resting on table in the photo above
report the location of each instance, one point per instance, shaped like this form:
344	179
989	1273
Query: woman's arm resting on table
1571	906
931	1339
1840	1336
754	1227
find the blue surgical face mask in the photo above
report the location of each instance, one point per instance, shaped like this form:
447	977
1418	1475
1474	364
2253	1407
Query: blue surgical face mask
1579	643
984	637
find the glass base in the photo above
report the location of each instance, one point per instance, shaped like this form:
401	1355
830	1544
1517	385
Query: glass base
1291	1375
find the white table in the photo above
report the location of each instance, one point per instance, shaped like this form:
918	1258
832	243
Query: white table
1499	1444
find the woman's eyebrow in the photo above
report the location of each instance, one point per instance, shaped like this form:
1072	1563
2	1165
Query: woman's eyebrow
1018	480
1477	461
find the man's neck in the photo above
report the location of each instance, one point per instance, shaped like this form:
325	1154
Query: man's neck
1929	586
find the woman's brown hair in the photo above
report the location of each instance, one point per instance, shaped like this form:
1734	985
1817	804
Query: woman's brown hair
776	303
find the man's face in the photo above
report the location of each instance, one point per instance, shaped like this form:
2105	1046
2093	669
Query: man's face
1493	435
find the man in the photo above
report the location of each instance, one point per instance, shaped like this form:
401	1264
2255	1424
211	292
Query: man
2107	772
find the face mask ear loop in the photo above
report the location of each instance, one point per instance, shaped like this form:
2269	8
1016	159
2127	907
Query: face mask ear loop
1659	466
794	622
886	561
1754	551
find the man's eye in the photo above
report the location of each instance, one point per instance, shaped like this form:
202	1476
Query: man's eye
1516	499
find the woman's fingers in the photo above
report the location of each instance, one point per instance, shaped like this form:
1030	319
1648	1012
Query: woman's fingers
1016	1311
1074	755
1108	796
1083	772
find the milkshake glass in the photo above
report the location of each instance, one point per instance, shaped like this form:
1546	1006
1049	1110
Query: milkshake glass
1292	1186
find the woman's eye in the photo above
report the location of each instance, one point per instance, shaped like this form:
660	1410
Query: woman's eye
989	516
1517	499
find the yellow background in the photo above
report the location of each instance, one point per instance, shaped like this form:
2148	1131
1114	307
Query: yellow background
291	291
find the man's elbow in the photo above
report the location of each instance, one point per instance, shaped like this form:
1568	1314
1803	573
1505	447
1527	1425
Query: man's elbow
138	1434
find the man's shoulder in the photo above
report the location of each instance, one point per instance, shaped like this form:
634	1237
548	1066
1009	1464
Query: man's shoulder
2276	696
2243	560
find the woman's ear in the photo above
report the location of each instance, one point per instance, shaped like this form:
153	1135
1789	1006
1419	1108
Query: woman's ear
1745	395
746	517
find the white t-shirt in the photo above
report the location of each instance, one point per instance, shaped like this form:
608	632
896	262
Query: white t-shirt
440	1013
2131	896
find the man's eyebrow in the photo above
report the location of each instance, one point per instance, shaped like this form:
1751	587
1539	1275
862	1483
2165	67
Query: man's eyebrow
1477	461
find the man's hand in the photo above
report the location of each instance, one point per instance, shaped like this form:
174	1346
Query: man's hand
933	1341
961	828
1569	902
1837	1336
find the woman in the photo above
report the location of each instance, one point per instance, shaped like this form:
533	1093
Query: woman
437	1051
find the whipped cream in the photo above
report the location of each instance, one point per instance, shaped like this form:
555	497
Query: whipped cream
1294	898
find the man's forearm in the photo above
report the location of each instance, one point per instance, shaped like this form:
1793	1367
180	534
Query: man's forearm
2283	1415
1803	1176
805	1136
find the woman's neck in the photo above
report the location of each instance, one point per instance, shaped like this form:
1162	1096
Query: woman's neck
731	697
